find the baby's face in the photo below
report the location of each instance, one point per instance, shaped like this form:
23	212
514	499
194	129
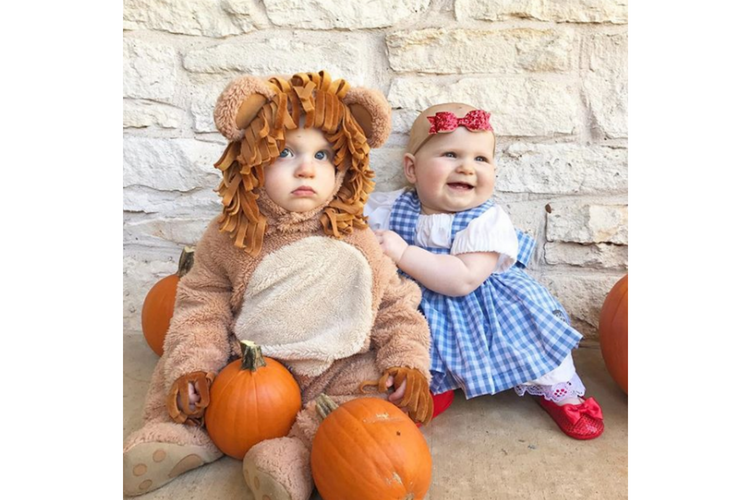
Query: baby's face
453	172
303	177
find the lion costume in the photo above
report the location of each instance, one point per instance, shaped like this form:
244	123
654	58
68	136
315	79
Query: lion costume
313	288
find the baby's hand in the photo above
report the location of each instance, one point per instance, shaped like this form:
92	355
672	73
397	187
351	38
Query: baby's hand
396	396
412	392
392	244
194	397
189	397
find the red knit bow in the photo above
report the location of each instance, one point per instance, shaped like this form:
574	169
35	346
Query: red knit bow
589	407
445	121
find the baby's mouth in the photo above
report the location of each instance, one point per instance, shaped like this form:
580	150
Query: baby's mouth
304	191
460	186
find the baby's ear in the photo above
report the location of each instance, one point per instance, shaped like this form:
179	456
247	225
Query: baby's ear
239	104
372	112
410	167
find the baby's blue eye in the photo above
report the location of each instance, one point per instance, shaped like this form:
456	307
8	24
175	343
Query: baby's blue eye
284	153
450	154
481	158
321	155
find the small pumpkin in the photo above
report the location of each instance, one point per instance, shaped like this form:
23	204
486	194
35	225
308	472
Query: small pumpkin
252	399
158	306
613	332
368	449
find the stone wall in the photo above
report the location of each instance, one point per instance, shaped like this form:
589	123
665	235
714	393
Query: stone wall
553	75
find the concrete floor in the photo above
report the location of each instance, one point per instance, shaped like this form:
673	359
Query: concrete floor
492	447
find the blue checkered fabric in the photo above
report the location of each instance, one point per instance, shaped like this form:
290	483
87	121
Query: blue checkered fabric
507	332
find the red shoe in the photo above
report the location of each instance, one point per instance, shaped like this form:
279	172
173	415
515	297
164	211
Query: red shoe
584	421
441	402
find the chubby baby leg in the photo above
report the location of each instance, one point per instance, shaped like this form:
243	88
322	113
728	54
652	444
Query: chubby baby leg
162	449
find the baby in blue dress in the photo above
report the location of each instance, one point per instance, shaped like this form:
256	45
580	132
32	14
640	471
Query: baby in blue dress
493	326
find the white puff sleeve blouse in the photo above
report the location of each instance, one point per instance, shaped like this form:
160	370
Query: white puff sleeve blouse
490	232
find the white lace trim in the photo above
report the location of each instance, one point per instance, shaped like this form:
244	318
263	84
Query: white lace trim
555	393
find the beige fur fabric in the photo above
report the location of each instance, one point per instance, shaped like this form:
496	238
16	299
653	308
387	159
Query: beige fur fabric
319	279
210	297
379	110
316	290
231	99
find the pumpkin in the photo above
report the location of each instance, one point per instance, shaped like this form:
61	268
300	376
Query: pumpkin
368	449
158	306
613	333
252	399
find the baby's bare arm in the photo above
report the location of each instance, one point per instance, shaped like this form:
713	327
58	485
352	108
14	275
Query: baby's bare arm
452	275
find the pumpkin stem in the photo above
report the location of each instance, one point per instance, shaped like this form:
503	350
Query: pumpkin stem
252	357
186	261
324	405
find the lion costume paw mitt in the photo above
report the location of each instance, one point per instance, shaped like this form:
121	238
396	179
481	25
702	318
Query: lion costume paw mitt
290	265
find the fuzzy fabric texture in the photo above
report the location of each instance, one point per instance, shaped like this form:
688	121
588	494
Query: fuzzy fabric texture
211	296
379	110
238	90
377	308
319	279
231	99
284	461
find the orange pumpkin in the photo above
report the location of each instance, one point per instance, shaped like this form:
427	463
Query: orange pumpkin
613	332
369	449
252	399
158	306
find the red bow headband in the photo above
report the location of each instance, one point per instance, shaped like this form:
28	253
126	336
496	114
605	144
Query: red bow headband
445	121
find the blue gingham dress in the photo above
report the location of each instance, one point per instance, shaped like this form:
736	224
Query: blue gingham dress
507	332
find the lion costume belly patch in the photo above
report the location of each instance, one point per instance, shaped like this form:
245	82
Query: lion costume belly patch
309	304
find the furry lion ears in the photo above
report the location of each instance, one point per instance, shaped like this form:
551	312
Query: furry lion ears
244	97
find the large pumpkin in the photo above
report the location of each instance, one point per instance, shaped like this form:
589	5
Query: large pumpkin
252	399
369	449
158	306
613	333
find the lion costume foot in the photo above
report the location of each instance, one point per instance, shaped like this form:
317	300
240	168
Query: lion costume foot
150	462
279	469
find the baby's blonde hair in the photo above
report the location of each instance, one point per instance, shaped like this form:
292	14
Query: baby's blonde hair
420	129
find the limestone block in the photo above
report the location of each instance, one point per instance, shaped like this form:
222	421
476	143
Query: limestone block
587	223
142	114
388	167
561	11
582	296
402	119
247	15
606	83
562	169
202	102
165	232
170	164
271	56
146	200
481	51
267	54
601	255
519	107
191	17
329	14
149	70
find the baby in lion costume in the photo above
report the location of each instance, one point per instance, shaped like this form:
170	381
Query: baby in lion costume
290	265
